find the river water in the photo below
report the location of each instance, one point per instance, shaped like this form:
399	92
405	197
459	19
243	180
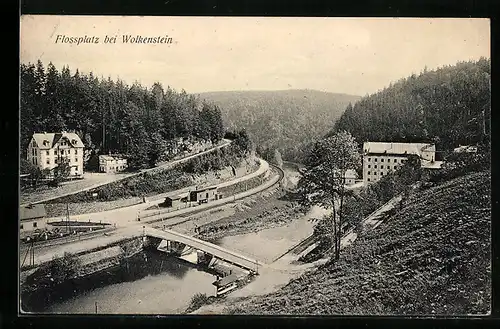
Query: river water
152	283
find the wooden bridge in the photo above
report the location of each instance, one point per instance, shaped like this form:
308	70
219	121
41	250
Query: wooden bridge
207	247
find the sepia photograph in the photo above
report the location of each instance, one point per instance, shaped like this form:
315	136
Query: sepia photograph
298	166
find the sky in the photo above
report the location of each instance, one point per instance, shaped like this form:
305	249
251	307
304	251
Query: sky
356	56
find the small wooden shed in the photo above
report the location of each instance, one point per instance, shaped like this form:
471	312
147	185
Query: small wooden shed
203	195
173	201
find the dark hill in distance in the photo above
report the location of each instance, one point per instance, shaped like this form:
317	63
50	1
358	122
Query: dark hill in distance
284	119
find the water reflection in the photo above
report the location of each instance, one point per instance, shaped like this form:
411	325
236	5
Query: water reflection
147	283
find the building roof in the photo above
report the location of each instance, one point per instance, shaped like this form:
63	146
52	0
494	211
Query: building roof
226	280
351	173
204	189
51	139
431	164
396	148
32	211
174	197
111	157
465	148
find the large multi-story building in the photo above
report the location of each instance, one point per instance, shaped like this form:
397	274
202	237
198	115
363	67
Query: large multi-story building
381	158
45	150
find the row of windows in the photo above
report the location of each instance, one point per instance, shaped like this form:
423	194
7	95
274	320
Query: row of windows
113	168
68	151
375	173
388	160
382	167
48	161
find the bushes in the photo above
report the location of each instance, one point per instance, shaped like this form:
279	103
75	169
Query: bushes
197	301
460	164
216	160
53	273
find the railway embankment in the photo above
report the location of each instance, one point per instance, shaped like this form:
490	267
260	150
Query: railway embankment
150	185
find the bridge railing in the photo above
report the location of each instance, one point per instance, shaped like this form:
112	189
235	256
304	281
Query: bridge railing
187	240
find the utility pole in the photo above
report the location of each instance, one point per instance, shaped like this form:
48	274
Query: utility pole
32	257
484	123
68	226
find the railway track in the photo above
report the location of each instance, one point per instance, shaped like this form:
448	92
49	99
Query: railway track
281	174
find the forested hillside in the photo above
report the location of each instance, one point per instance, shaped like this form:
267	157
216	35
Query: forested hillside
285	120
112	116
448	106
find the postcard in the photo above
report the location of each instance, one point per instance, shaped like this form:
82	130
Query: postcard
255	165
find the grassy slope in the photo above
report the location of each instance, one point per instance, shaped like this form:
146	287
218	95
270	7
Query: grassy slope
442	241
285	119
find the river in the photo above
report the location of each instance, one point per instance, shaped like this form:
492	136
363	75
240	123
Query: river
153	283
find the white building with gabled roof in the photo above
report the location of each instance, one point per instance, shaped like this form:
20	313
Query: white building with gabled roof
112	163
45	150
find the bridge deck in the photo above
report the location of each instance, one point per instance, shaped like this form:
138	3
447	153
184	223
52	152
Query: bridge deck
215	250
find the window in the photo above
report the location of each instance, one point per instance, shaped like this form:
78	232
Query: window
368	159
368	173
34	224
375	173
76	152
368	179
388	160
48	153
382	167
382	160
381	174
207	195
48	161
375	166
55	152
33	159
76	159
369	166
22	226
76	168
375	159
